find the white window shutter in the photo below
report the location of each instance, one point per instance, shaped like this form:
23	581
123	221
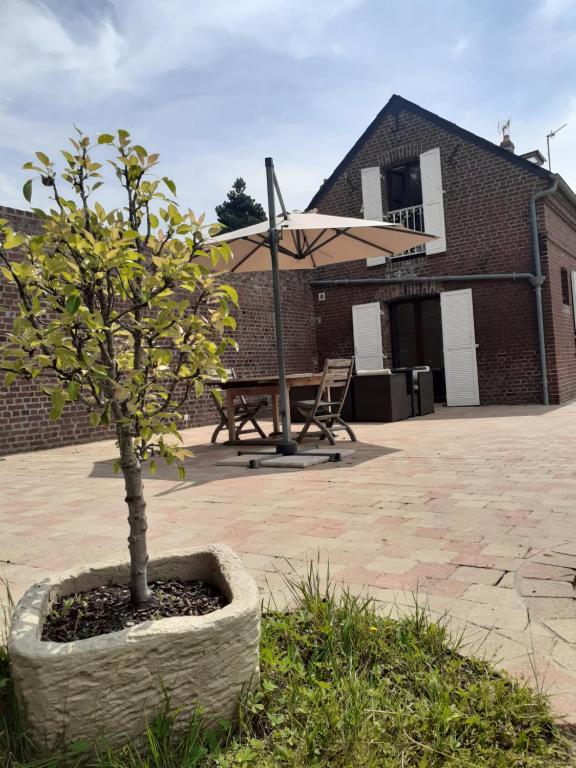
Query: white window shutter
372	202
371	193
459	341
433	199
573	278
366	323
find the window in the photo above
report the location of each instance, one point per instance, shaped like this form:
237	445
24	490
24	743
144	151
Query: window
565	286
415	200
403	186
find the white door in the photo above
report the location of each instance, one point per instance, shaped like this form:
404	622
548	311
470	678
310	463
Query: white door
367	336
459	348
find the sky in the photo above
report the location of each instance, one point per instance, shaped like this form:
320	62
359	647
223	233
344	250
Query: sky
215	86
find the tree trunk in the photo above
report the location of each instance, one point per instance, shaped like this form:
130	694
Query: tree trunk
132	471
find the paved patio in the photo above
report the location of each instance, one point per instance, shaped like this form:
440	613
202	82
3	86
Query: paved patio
472	508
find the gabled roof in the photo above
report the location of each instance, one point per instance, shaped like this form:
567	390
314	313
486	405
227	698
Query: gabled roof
398	104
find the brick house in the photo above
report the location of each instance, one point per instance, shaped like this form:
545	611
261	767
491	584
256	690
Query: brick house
470	298
467	304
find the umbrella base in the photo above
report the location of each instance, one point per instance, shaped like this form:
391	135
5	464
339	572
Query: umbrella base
287	449
257	461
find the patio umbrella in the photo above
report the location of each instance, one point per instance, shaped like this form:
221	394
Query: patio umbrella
306	241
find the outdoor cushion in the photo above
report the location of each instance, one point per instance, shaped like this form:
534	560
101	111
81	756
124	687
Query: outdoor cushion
377	372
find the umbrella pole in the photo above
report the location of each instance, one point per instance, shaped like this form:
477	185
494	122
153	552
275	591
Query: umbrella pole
287	446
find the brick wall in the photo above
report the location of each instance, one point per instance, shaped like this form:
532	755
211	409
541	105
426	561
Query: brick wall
486	205
24	422
559	248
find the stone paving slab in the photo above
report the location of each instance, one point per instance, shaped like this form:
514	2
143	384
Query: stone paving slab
462	511
545	588
566	628
299	461
471	575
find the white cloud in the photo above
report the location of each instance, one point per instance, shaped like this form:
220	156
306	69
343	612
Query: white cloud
191	78
562	155
10	195
26	135
461	46
554	10
36	45
143	39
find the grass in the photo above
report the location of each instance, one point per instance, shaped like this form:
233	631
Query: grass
341	687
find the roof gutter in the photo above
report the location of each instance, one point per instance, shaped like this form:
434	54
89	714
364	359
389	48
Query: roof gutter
539	280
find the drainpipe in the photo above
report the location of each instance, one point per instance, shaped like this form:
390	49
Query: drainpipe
538	281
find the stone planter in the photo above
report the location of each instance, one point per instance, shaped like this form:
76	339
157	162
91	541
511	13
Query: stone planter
112	685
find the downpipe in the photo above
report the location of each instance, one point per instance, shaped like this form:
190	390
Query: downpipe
539	280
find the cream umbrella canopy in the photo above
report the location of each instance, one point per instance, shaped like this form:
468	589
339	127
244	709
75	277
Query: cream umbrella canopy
311	240
306	241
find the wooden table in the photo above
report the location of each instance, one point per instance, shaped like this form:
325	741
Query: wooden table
258	386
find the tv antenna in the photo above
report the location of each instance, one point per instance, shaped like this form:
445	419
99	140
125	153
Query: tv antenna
551	136
504	128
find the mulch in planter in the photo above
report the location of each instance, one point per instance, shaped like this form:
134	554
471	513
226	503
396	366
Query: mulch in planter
108	608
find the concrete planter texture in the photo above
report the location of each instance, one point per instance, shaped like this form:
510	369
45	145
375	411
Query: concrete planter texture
109	687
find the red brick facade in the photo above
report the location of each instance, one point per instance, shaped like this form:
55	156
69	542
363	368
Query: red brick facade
24	422
559	224
487	217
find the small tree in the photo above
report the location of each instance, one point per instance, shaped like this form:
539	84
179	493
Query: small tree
239	210
118	311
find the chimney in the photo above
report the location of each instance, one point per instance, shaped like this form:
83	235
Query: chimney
507	142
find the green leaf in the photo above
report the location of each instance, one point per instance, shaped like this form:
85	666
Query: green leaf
73	390
13	240
94	419
27	190
116	466
44	159
9	379
153	467
58	400
181	472
105	138
73	304
231	292
170	184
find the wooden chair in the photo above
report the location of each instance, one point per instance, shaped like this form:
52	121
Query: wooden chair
325	410
244	413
